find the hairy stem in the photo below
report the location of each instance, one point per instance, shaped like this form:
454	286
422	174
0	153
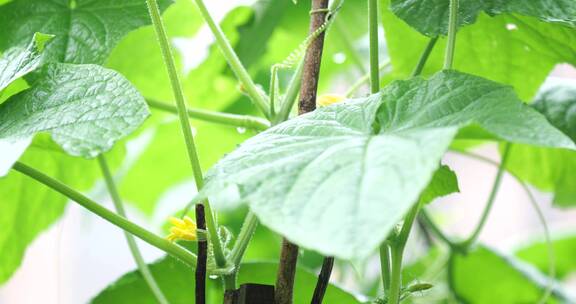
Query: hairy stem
113	218
491	198
452	29
235	120
385	252
246	233
239	70
185	126
134	250
373	33
397	251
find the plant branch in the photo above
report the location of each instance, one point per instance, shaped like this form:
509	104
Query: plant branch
246	233
235	120
185	126
234	62
291	95
427	220
200	275
397	251
491	198
385	252
308	89
374	51
323	280
452	30
117	220
134	250
424	57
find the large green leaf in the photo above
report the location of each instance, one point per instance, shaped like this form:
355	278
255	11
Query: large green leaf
29	207
86	31
338	179
564	253
485	277
85	108
177	282
551	170
17	62
430	17
496	48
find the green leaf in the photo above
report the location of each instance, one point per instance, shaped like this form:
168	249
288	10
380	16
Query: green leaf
85	108
177	282
338	179
496	48
17	62
485	277
551	170
564	252
444	182
29	207
558	104
430	17
86	31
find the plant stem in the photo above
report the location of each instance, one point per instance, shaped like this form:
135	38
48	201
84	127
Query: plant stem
185	126
385	252
136	254
452	29
308	89
200	275
286	272
436	230
291	95
243	121
323	280
373	33
246	233
424	57
313	58
397	245
117	220
492	197
241	73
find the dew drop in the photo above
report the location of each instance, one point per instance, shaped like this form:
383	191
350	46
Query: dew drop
213	277
339	58
511	26
241	130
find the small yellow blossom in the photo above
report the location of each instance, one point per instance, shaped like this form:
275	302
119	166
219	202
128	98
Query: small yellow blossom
328	99
182	229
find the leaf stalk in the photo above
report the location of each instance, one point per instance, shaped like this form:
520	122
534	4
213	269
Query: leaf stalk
113	218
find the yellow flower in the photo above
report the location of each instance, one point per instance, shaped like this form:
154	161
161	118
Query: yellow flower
328	99
182	229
